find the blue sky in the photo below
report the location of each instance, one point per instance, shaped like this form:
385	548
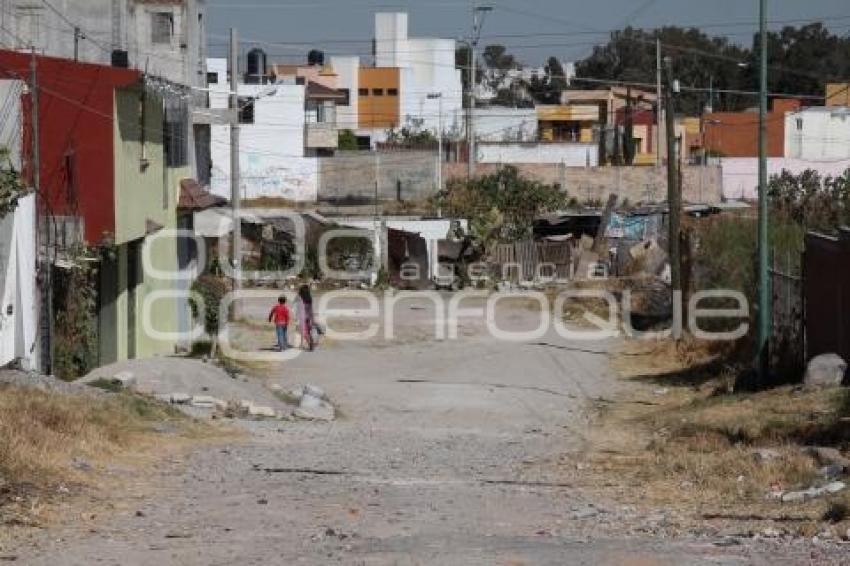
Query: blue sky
532	29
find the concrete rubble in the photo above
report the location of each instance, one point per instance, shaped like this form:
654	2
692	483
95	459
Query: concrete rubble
810	493
826	370
313	404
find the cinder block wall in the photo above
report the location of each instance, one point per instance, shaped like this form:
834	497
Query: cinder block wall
638	184
350	177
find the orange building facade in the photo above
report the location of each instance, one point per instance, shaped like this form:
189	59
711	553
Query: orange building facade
378	98
736	134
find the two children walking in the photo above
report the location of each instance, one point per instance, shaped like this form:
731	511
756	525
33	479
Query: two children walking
304	313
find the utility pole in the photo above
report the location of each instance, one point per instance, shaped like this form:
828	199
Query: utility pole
764	298
674	196
478	14
377	185
659	112
47	292
235	190
439	96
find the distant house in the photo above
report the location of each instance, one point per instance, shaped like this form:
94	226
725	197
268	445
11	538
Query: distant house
19	300
163	38
112	156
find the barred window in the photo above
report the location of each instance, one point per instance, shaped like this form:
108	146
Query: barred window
162	27
176	133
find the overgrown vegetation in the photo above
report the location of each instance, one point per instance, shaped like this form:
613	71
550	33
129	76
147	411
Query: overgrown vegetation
412	134
811	201
76	324
12	187
212	290
692	446
348	141
726	246
500	207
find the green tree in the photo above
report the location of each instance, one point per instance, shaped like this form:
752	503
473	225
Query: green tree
501	206
630	56
548	88
801	59
348	141
211	290
412	134
12	187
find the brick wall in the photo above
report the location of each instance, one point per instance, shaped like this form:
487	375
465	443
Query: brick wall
638	184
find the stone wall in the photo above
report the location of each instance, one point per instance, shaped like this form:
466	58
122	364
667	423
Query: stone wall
637	184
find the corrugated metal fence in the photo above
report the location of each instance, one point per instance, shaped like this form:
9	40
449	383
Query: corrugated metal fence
827	294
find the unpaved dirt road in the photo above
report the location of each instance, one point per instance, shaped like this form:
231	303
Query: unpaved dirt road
443	455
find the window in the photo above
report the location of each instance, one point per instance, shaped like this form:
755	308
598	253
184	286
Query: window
392	92
162	28
799	124
347	93
377	92
70	172
176	135
363	92
300	81
246	110
212	78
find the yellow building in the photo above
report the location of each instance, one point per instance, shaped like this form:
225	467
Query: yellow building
838	94
573	123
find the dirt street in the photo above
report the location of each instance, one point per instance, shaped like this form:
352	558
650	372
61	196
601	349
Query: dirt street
442	454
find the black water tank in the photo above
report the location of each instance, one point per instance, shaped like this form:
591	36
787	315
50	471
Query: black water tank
316	57
256	67
120	58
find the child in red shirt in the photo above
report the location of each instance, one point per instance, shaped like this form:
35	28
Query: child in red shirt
280	316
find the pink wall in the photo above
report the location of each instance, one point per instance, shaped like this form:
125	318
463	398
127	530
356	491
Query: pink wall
740	174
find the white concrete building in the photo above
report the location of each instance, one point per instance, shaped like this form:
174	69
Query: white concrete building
19	300
347	69
427	68
503	124
818	134
568	154
272	124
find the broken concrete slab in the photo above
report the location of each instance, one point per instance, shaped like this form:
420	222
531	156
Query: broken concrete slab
812	492
261	411
207	402
314	391
324	412
310	402
826	370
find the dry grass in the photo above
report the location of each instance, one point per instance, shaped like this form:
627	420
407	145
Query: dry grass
688	445
41	433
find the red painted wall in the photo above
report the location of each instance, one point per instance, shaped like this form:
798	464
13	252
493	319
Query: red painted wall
640	117
76	102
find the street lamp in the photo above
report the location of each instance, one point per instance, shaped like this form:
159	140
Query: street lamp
439	96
